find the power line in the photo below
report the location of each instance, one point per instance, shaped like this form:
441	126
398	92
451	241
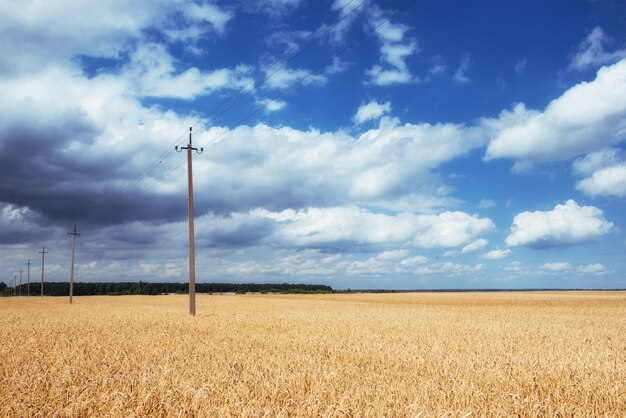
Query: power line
155	164
284	91
298	49
294	56
310	73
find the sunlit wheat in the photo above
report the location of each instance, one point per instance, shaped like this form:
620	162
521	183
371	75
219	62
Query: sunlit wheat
361	355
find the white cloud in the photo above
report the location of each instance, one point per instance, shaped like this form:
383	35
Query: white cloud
210	13
370	111
460	75
448	268
591	52
596	269
486	203
558	266
514	266
474	246
382	77
586	118
349	12
450	229
151	72
336	66
566	224
595	161
394	52
275	8
392	255
414	261
390	166
195	26
609	181
605	172
497	254
53	36
285	77
438	66
391	32
272	105
340	227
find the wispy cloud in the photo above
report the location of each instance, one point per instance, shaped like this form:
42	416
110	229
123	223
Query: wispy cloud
460	75
591	51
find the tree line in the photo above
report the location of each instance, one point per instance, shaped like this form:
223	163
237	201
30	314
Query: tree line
149	288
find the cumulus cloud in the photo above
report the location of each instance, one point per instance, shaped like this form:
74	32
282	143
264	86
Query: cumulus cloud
497	254
371	111
604	172
338	228
92	130
390	166
567	224
586	118
414	261
448	268
53	36
151	73
555	267
595	161
392	255
591	52
596	269
474	246
609	181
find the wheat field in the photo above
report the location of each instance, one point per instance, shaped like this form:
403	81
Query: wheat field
344	355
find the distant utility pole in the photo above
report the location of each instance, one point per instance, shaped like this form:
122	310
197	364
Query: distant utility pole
28	287
14	277
192	256
43	253
20	282
73	235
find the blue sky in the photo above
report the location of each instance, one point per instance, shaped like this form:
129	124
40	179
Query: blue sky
361	144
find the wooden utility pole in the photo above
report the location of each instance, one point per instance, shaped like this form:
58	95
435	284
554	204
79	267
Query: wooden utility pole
192	256
20	292
28	287
14	277
73	235
43	252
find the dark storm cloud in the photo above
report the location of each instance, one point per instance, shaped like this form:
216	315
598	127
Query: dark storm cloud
39	172
237	235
